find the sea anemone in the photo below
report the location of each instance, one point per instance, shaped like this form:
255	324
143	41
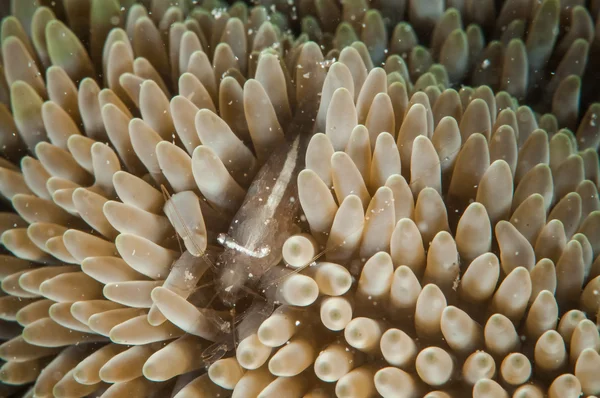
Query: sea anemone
447	177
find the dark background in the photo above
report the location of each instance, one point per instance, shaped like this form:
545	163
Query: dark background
4	8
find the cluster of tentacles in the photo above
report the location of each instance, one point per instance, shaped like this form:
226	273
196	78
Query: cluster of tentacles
450	214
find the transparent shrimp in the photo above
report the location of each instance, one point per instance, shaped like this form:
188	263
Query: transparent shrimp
267	282
268	214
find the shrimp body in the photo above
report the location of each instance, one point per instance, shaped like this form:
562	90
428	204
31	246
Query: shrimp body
267	217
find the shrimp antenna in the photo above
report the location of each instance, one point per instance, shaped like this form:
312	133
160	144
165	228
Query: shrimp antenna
204	285
212	299
187	231
252	292
233	313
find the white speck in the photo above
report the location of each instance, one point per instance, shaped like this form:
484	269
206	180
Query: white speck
456	283
188	275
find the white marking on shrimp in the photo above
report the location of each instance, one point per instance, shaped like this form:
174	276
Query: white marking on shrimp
230	243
